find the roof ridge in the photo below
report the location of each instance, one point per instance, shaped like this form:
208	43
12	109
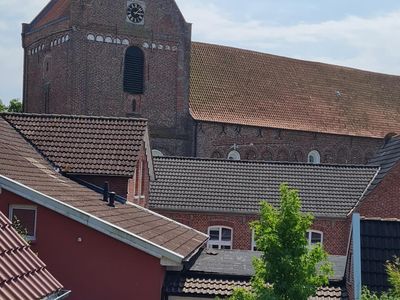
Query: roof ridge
260	162
72	116
291	58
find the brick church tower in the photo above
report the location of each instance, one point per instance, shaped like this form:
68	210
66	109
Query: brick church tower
112	58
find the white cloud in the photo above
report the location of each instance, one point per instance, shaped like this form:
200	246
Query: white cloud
367	43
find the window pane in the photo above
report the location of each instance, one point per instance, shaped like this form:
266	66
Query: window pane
316	238
226	247
226	234
214	235
26	217
214	246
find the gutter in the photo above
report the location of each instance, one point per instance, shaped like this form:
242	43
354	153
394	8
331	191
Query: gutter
165	255
65	294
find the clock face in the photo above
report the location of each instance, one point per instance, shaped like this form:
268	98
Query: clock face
135	13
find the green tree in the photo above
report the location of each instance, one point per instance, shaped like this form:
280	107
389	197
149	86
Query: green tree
15	106
288	268
2	106
393	272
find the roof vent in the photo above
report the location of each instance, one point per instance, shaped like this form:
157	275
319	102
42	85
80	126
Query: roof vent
111	200
338	94
105	191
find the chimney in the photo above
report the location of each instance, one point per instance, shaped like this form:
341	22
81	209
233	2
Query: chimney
111	200
105	191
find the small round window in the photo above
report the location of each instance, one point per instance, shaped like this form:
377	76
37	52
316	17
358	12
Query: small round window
234	155
314	157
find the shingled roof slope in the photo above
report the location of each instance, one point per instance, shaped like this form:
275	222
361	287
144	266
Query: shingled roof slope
23	276
82	144
385	158
21	163
189	184
236	86
53	11
240	263
380	242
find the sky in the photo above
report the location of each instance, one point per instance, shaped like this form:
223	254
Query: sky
357	33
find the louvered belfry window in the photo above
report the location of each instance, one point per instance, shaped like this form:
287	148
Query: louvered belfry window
133	71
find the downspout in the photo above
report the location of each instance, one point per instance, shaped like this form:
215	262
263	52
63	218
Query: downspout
195	139
357	255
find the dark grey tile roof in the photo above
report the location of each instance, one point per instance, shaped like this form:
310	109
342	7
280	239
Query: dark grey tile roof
239	263
380	242
189	184
385	158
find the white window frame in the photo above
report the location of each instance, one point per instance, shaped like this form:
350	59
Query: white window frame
234	155
309	234
220	242
316	157
27	207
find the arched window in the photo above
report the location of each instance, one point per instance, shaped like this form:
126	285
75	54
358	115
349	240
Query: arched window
133	71
220	237
234	155
314	237
314	157
156	153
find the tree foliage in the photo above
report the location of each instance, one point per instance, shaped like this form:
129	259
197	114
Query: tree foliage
14	106
393	272
2	106
288	268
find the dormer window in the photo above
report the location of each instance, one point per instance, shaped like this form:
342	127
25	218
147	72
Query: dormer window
314	157
133	71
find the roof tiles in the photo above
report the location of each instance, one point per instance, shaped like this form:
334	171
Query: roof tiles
189	184
213	287
84	145
53	11
20	162
23	276
236	86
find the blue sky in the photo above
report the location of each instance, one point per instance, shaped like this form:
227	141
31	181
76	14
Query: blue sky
358	33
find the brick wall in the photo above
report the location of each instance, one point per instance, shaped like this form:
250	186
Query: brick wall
86	76
383	201
217	140
335	231
139	184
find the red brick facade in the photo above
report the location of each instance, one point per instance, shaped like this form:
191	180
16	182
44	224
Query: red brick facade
335	231
217	140
383	201
82	76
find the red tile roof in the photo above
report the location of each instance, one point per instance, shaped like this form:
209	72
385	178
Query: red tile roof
84	145
22	164
54	10
229	85
23	276
210	287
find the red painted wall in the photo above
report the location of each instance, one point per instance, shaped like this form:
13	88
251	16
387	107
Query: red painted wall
99	267
335	231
